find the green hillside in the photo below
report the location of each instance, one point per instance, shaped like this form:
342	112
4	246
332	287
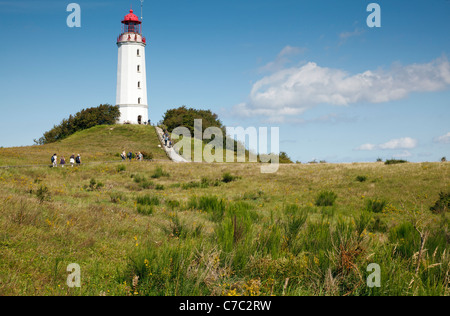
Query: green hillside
100	143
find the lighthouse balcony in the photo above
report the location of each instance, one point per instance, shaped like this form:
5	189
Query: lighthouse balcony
131	37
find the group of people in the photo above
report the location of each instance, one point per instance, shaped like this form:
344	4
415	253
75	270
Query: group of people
72	160
138	156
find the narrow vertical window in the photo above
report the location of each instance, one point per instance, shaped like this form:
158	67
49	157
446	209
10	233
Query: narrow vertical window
139	100
139	84
139	68
138	53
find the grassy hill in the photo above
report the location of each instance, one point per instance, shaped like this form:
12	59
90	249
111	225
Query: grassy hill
160	228
100	143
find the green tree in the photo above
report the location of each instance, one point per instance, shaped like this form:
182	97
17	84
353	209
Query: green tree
104	114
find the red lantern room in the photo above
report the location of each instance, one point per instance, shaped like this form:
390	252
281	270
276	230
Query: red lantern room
131	23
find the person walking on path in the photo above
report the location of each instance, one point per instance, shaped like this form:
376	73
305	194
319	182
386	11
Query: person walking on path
130	155
62	162
72	160
78	160
55	161
123	156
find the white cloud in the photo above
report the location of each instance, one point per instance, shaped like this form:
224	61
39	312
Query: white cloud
294	90
356	32
367	147
282	59
399	143
444	139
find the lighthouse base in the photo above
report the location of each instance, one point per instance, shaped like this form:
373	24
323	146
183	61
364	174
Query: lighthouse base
133	114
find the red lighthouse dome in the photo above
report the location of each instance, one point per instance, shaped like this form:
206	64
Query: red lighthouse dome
131	18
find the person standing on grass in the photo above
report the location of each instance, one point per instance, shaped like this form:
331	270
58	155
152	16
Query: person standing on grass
62	162
72	160
55	161
130	156
78	160
123	156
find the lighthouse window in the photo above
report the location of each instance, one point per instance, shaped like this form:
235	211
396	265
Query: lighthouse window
139	68
138	53
139	100
139	84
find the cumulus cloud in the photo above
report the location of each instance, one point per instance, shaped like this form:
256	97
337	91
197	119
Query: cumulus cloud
294	90
399	143
444	139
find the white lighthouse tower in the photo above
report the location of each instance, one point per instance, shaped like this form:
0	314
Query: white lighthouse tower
131	75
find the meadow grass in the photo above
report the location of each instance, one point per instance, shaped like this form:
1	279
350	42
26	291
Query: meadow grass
260	234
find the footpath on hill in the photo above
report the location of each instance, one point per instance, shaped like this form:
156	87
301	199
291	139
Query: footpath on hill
170	151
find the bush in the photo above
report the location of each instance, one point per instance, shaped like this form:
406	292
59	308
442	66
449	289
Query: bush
361	178
442	205
326	198
406	237
159	172
227	177
104	114
210	204
147	155
43	194
185	117
145	209
93	185
148	200
121	168
375	206
394	161
143	182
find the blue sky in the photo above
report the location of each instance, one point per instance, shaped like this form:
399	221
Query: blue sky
339	90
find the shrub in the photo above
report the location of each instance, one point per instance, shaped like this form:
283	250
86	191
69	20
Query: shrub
143	182
43	194
375	206
442	205
361	178
159	172
394	161
407	238
121	168
210	204
148	200
172	204
147	155
93	185
104	114
145	209
227	177
326	198
294	223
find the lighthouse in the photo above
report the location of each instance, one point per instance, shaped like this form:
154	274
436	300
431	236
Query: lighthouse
131	94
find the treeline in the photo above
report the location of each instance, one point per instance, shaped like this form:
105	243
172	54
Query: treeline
185	117
104	114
